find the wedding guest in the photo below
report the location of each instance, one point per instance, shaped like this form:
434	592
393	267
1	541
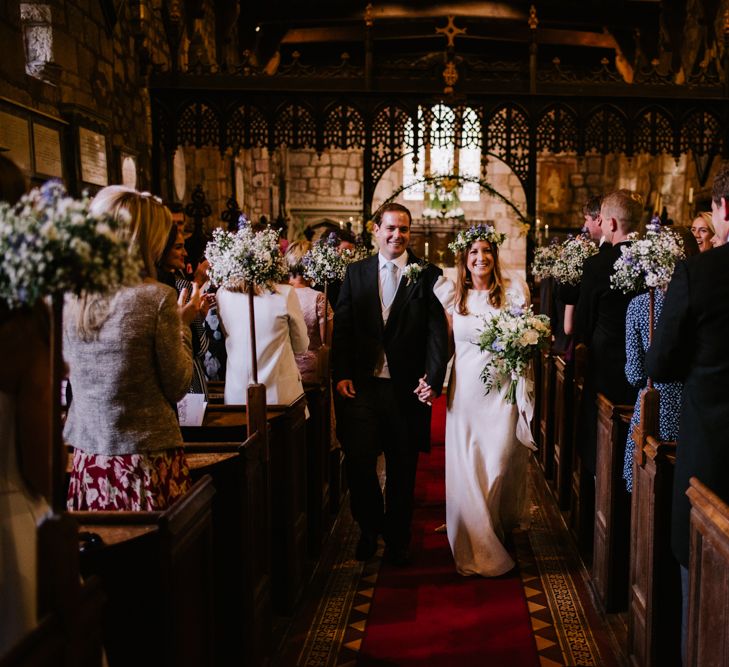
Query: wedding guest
130	361
703	230
600	324
637	333
690	346
171	272
25	446
280	334
318	325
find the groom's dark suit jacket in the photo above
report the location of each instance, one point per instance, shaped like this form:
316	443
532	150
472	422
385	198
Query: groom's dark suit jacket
415	338
690	344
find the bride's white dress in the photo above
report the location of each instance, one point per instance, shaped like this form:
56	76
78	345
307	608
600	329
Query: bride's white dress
20	512
486	463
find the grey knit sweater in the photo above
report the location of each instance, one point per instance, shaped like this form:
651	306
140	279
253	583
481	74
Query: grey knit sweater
126	382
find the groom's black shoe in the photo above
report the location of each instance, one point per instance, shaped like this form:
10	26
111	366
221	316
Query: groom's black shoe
366	546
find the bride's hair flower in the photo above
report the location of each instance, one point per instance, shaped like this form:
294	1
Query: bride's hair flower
467	237
50	243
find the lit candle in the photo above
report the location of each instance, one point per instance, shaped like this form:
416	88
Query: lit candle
691	196
546	231
427	249
341	224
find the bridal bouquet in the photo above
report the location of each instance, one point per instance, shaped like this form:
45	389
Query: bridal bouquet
252	258
50	244
323	263
647	262
571	258
511	337
544	261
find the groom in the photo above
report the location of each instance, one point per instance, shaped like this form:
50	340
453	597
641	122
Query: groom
389	332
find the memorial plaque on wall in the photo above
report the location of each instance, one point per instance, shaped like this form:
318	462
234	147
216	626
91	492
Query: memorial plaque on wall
15	137
47	151
92	155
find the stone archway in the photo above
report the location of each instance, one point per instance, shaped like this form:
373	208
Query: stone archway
502	203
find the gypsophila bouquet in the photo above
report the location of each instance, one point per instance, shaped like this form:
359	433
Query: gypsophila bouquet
545	258
51	244
324	263
647	262
361	251
511	338
571	259
246	257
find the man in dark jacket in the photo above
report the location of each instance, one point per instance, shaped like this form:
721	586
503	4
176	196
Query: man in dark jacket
389	332
689	345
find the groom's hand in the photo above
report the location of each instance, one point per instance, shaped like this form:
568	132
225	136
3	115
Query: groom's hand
346	388
424	391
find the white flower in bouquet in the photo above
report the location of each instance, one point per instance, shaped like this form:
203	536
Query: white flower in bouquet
323	263
571	259
545	258
454	213
430	213
511	337
51	244
647	262
360	251
245	257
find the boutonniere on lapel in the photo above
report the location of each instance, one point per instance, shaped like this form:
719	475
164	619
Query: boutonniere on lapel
412	272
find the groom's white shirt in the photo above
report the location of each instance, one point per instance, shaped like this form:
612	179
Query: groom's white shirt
381	368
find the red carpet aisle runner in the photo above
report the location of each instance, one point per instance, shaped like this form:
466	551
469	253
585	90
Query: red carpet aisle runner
426	613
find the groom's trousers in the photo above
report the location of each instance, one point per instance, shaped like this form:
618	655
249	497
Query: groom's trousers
368	425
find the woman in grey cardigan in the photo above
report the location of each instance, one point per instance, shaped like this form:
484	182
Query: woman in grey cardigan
130	361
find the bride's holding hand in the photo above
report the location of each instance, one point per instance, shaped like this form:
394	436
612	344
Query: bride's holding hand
485	461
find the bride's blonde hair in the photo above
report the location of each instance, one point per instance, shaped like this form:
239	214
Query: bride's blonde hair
147	222
464	282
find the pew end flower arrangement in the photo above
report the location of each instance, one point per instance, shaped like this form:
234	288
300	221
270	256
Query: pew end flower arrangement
570	261
245	257
511	337
544	260
51	244
324	264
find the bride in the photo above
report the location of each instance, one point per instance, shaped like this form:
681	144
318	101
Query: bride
485	461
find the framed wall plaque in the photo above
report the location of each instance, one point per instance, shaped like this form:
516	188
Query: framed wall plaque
47	151
15	138
92	157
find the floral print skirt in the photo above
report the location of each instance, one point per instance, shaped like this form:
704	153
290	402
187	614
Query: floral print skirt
131	482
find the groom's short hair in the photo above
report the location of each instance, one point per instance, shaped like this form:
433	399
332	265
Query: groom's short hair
392	206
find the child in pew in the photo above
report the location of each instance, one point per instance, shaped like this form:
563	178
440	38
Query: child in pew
130	361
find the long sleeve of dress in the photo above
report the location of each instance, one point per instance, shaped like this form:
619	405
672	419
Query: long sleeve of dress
173	350
634	351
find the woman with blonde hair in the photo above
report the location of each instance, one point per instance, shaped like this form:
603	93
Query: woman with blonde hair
130	361
703	230
485	460
312	306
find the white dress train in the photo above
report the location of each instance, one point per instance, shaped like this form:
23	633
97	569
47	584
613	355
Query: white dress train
486	463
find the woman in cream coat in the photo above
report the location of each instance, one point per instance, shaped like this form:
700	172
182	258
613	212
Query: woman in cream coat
280	334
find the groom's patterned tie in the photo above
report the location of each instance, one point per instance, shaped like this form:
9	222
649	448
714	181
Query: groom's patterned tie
389	284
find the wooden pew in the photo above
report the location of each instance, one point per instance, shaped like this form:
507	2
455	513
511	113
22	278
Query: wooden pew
546	414
708	608
241	546
318	441
563	430
68	633
286	426
611	547
156	569
654	613
578	519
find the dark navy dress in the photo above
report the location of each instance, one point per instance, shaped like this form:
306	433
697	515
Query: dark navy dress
636	343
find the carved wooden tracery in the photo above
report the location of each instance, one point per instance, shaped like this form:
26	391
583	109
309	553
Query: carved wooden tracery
513	131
